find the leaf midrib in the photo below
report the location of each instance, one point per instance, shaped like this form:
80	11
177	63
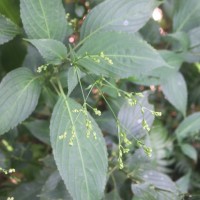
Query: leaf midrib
45	20
80	153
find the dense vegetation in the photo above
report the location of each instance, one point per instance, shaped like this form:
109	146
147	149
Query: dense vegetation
98	100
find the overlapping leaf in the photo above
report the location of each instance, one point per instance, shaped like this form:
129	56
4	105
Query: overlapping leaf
43	19
19	93
130	55
8	30
82	165
54	52
126	15
175	90
188	125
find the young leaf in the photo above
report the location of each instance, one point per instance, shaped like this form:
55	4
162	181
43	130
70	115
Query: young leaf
188	125
187	15
115	15
43	19
189	151
8	30
118	55
81	160
175	90
19	93
54	52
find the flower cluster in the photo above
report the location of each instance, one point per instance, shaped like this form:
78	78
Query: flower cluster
123	148
97	112
146	149
145	125
130	98
10	198
42	68
157	114
63	136
106	58
88	127
71	140
9	171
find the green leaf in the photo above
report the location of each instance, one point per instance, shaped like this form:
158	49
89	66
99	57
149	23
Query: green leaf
175	90
115	15
33	58
83	164
19	93
54	188
187	15
189	151
156	186
181	37
188	125
194	36
130	55
143	191
194	50
72	79
8	30
54	52
43	19
40	129
158	75
158	180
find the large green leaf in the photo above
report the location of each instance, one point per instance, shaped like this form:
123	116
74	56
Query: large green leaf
8	30
188	125
187	15
175	90
19	93
130	55
115	15
54	52
82	165
43	19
